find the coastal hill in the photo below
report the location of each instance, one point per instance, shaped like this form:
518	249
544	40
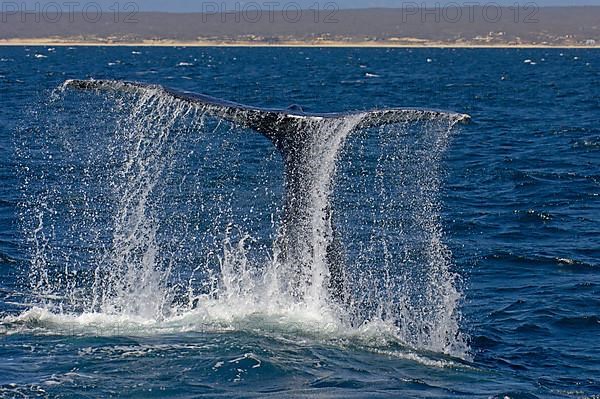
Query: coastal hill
468	26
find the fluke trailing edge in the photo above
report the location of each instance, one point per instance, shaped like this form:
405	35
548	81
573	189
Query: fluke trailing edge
308	142
279	125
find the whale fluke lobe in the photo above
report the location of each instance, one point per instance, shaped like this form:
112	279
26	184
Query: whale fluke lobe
279	125
309	144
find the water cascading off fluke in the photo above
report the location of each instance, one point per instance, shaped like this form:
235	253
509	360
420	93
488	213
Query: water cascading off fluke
309	144
308	266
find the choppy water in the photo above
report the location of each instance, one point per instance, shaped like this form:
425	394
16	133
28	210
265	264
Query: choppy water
138	236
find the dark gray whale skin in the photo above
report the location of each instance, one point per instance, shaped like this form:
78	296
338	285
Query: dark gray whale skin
290	132
281	126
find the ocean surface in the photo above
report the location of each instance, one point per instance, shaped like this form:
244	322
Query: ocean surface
139	235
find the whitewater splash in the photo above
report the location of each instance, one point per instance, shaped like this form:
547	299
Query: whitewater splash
138	213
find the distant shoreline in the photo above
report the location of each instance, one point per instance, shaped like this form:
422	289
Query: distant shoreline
440	27
299	43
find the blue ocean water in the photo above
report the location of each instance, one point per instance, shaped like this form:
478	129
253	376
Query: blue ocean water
513	197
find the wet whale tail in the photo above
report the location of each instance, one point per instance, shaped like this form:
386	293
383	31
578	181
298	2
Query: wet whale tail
309	143
284	127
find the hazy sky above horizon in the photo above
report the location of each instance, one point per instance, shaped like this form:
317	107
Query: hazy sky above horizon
201	5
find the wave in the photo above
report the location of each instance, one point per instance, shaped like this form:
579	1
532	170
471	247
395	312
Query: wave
579	322
592	143
514	395
299	326
557	261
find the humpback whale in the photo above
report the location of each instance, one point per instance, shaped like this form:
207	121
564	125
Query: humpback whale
300	137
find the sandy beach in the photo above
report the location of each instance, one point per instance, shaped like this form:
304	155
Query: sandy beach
408	43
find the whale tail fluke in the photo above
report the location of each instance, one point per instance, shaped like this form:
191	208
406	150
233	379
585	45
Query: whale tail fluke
280	125
307	142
